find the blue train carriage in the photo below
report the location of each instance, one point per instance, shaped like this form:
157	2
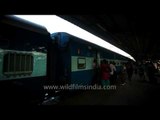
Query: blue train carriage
22	74
23	69
23	60
76	58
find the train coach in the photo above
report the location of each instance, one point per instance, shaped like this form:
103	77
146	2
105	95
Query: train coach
23	61
31	58
74	60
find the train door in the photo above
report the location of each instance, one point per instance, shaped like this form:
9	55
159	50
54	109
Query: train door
96	56
55	65
52	72
96	69
51	60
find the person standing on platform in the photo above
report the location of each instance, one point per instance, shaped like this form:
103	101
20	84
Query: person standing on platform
129	68
113	75
105	73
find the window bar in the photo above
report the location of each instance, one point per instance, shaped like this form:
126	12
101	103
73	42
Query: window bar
32	63
8	62
20	59
14	69
24	63
29	62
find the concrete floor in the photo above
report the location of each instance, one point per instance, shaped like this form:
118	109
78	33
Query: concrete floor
136	93
129	94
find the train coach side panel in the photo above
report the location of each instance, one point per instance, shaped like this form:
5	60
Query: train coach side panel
81	74
39	64
15	68
81	63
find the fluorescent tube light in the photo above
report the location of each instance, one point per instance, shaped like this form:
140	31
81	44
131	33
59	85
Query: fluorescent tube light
54	24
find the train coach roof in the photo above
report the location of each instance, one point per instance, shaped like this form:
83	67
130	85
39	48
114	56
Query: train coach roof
13	21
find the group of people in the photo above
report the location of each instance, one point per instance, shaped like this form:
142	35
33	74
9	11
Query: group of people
105	73
147	70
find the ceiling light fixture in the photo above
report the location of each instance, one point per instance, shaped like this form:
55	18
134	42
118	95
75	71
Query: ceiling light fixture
55	24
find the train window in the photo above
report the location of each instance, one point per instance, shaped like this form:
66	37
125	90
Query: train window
17	64
81	62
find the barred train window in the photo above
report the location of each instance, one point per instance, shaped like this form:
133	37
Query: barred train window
81	62
17	64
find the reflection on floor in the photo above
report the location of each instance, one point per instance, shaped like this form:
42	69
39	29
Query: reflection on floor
136	92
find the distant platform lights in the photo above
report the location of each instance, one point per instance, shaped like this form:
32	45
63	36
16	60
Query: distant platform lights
55	24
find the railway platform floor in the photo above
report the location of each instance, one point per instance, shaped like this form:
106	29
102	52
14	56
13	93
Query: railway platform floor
136	92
